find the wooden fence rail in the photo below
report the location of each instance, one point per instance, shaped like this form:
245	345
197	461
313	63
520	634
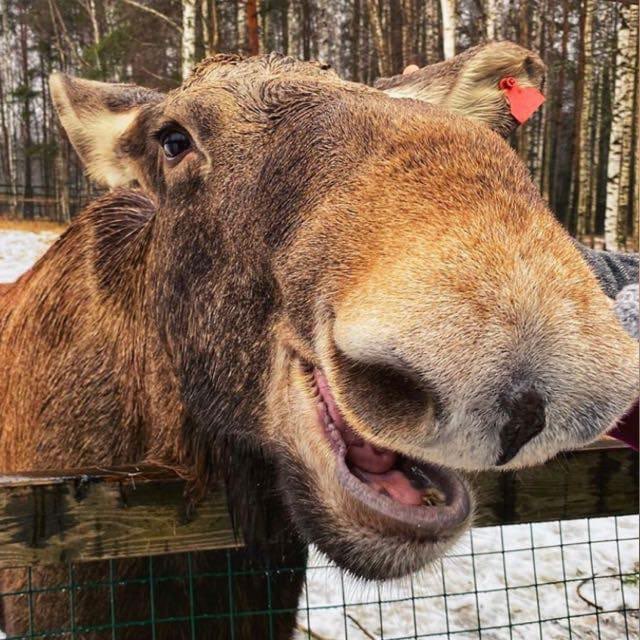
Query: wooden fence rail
92	514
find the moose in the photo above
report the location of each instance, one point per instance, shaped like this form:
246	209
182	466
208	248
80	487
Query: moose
330	300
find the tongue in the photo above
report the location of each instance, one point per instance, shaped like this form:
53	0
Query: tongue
395	484
375	467
368	458
372	465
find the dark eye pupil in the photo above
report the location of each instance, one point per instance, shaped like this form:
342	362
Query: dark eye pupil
174	143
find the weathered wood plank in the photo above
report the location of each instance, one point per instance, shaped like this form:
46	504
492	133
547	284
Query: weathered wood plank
601	480
94	514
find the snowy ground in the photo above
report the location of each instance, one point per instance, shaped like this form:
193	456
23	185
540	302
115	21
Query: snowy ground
520	573
539	578
20	249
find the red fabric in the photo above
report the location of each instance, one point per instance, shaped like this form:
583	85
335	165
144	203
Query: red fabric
524	101
627	428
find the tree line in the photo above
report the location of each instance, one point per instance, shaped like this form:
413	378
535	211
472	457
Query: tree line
580	147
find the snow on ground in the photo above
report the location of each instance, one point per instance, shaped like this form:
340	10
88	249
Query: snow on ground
20	249
520	573
524	574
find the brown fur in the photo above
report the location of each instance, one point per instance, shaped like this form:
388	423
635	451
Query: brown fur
316	221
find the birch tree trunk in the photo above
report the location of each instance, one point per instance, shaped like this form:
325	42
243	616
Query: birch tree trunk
95	29
490	19
629	61
188	36
8	119
583	182
210	26
448	11
621	126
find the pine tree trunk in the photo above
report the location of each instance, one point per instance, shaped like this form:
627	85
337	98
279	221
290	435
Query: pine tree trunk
379	41
355	42
547	131
61	175
432	32
188	36
263	14
635	158
27	209
556	116
396	36
253	41
305	7
618	167
409	28
365	49
595	126
536	154
584	168
284	19
448	11
44	157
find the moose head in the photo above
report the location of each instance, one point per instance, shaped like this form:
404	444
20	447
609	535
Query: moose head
369	291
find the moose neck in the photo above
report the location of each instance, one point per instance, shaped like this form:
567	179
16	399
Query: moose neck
74	335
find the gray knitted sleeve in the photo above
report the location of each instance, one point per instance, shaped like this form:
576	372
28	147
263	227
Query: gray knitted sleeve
613	270
626	308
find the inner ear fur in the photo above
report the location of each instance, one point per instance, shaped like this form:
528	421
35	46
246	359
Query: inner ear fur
467	84
95	116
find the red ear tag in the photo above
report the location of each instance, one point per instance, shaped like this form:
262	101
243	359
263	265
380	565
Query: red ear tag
524	101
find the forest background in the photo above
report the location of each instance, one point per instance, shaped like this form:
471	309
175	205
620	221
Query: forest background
581	147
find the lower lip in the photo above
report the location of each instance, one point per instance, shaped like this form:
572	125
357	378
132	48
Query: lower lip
432	521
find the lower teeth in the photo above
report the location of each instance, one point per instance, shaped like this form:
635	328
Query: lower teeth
433	497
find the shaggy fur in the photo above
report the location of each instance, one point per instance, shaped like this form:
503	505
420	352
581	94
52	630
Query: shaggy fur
315	222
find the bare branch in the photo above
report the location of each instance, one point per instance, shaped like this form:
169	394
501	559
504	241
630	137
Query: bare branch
157	14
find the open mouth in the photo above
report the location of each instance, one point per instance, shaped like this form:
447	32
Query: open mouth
426	497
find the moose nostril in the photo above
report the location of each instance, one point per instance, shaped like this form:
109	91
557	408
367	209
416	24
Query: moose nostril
526	420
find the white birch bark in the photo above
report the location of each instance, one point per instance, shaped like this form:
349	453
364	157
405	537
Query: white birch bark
629	57
7	54
91	9
188	36
618	167
448	10
490	19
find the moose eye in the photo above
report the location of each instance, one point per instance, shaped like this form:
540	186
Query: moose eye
175	143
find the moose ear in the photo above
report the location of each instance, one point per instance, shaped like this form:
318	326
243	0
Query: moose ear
95	115
497	83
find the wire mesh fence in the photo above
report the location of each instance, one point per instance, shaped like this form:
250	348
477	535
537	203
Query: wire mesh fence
562	579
